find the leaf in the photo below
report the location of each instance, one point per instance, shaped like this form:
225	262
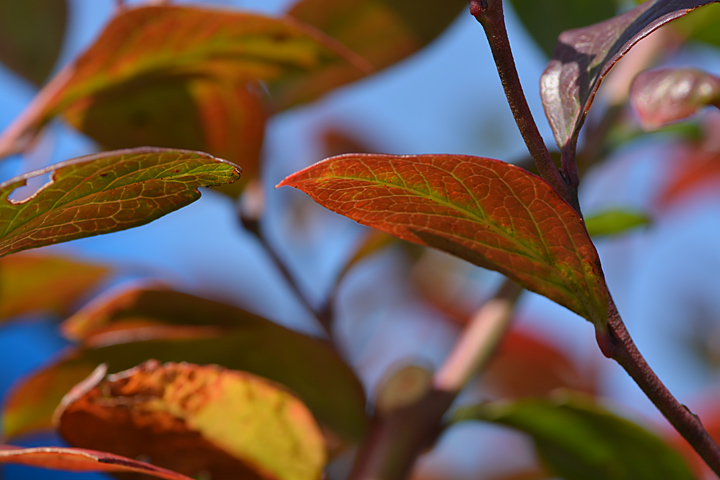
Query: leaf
222	118
525	365
31	35
80	460
38	284
614	222
546	20
584	56
580	440
308	366
700	25
664	96
490	213
211	60
382	32
197	420
696	171
105	193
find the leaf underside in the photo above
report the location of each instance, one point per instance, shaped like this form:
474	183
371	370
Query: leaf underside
584	56
487	212
105	193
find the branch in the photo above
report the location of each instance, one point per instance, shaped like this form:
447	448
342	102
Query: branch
490	15
623	350
397	438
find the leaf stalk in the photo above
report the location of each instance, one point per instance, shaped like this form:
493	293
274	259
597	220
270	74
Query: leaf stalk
685	422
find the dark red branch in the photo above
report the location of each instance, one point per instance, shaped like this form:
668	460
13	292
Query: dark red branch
490	15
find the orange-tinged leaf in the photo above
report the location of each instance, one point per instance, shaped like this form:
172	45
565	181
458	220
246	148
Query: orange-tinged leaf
696	171
105	193
63	282
81	460
222	118
194	419
664	96
487	212
584	56
527	366
183	327
382	32
31	35
200	55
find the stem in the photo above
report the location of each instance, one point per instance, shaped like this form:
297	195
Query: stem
397	438
685	422
490	15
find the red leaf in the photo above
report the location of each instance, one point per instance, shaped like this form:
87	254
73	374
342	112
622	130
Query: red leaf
487	212
668	95
81	460
584	56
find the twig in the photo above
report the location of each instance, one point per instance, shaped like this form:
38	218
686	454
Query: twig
625	352
396	439
490	15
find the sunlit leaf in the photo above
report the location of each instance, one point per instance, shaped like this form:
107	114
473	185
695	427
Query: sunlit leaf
614	222
197	420
185	329
222	118
487	212
382	32
36	284
547	19
80	460
180	74
104	193
579	440
665	96
31	35
584	56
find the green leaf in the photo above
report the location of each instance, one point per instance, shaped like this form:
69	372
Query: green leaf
583	57
660	97
382	32
547	19
488	212
196	420
63	282
614	222
81	460
105	193
580	440
31	35
182	327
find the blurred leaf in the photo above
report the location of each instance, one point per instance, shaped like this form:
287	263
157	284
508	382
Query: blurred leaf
528	366
104	193
547	19
696	171
382	32
185	77
308	366
490	213
79	460
583	57
31	35
204	114
33	284
701	25
664	96
614	222
194	419
580	440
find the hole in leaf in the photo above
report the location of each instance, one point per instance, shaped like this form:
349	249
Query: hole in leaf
32	187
